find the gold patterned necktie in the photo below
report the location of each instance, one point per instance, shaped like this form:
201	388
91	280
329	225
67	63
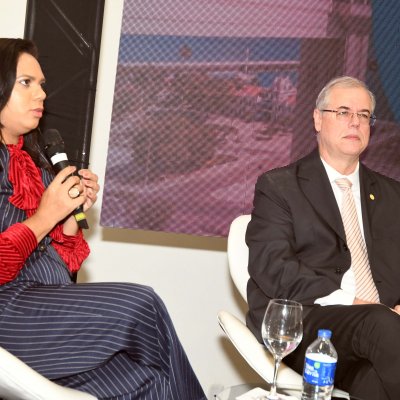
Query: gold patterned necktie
365	286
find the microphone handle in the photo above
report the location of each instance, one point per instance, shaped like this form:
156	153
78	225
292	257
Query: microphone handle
60	165
80	218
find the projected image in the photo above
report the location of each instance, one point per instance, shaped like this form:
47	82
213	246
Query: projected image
200	110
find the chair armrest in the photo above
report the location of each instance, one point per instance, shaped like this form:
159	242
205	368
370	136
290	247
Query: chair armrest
20	382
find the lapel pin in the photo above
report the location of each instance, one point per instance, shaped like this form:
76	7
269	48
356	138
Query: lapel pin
371	196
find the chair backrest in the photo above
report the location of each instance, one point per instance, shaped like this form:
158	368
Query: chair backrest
238	253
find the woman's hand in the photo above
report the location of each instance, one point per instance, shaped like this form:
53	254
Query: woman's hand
87	189
90	186
56	203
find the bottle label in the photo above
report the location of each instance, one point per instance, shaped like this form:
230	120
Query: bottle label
319	369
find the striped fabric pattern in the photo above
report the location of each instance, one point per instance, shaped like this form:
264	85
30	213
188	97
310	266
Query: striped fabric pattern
113	340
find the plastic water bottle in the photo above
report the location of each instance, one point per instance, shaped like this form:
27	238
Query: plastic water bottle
319	368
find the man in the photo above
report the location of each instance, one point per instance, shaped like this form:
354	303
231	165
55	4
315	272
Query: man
301	246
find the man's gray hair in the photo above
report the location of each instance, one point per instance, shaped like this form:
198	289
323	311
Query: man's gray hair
344	82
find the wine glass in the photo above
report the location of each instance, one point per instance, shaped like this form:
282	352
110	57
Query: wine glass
282	331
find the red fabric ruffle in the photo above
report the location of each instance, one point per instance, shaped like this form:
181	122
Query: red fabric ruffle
25	178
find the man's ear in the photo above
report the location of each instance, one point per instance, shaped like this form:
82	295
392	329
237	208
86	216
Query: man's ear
317	120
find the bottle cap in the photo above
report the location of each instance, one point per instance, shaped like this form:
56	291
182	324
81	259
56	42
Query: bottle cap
324	333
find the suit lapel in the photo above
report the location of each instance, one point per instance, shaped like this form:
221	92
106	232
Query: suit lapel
313	181
368	192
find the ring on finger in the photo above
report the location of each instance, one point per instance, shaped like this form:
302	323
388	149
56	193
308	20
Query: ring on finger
74	192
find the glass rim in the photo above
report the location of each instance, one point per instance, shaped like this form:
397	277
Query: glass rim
287	302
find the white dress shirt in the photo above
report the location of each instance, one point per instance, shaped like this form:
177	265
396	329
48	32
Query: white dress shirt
346	294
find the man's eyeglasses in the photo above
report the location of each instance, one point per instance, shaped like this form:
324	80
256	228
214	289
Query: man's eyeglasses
345	115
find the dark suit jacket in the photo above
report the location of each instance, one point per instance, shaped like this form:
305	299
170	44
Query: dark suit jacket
296	239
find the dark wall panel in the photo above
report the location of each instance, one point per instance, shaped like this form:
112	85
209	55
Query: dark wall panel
68	35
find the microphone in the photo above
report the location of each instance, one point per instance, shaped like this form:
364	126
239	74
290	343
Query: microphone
53	146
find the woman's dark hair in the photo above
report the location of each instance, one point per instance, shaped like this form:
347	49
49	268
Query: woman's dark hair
10	51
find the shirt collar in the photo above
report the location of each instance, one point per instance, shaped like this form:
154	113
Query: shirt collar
354	177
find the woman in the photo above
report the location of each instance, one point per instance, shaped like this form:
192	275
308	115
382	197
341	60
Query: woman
115	341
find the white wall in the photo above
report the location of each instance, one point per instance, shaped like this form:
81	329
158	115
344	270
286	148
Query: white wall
190	273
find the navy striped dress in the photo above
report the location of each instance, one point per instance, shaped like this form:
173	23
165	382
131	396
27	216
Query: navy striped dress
113	340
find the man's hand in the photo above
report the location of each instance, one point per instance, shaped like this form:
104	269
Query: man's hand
396	309
360	301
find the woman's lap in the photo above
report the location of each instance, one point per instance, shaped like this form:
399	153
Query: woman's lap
59	330
114	340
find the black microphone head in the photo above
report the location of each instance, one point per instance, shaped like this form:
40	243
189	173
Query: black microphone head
52	142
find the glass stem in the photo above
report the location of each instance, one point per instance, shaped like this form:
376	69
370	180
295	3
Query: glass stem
272	392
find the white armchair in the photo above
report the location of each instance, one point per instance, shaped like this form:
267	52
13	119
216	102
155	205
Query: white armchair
20	382
256	355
